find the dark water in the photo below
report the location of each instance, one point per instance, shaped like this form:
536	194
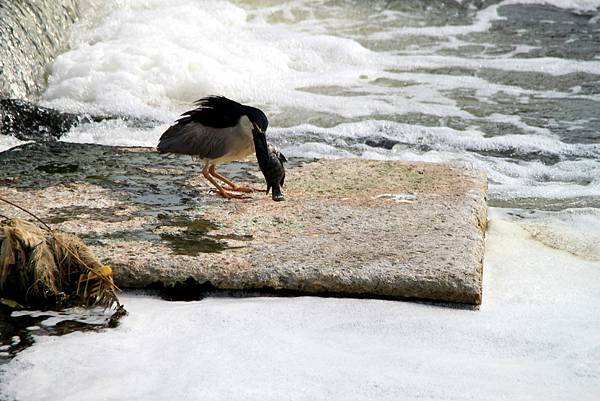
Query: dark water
18	327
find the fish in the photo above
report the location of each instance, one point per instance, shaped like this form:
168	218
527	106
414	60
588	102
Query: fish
270	161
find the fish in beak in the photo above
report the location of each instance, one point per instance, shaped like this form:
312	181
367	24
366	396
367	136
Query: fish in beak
270	161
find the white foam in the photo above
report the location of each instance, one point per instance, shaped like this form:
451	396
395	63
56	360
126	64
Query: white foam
481	23
433	86
115	133
123	64
573	230
482	20
317	150
517	121
8	142
544	65
444	138
127	66
535	337
574	173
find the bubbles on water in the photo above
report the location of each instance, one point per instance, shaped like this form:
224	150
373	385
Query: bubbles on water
517	165
538	324
446	83
125	65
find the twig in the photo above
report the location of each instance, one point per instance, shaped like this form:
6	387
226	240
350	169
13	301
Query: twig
28	212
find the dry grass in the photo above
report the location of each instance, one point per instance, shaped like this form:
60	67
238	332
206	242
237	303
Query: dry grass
40	265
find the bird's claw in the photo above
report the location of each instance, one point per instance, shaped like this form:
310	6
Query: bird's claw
278	198
247	190
229	195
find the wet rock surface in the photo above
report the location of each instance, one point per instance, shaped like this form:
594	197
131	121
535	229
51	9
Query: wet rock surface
27	121
349	227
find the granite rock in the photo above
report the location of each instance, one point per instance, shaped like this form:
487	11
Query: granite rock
348	227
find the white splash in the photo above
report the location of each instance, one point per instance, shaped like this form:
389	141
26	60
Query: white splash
124	65
115	133
573	170
8	142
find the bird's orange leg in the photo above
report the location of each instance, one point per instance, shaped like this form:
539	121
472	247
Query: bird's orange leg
220	190
232	185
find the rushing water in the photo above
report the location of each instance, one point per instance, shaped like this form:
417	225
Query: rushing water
32	32
509	87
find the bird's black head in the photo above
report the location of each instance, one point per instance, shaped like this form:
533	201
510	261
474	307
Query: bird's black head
258	118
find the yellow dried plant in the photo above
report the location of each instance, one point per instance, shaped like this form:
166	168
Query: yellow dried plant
40	264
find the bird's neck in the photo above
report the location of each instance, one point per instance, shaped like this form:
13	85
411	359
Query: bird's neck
261	147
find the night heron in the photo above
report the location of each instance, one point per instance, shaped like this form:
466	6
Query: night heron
220	130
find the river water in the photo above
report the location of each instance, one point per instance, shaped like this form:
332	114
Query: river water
509	87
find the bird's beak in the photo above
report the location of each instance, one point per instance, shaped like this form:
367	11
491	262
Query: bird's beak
256	127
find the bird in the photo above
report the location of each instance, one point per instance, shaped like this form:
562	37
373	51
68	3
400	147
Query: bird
218	131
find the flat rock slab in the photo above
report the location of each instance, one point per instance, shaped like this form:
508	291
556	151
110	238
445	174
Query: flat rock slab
350	227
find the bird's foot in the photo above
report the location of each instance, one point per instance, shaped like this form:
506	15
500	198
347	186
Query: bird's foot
239	188
278	198
229	195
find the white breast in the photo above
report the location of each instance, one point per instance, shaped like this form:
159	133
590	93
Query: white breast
240	142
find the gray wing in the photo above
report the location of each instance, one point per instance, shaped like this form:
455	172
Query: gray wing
197	140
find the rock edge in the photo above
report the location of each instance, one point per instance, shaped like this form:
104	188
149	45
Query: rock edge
349	227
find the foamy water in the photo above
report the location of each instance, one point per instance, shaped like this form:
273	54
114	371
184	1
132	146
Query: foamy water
511	89
337	78
536	336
